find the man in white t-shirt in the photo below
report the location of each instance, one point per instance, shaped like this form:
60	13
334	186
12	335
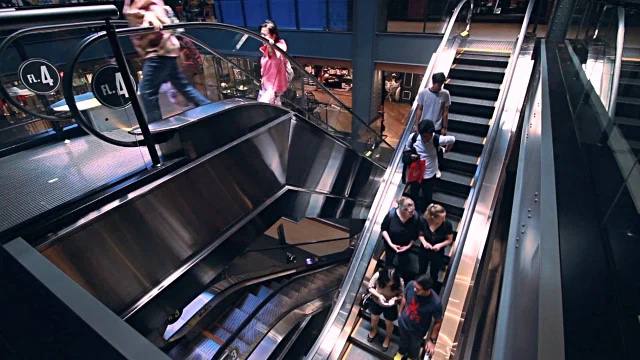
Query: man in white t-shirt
425	148
433	104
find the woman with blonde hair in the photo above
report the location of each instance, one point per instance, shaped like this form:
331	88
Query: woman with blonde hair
438	234
400	228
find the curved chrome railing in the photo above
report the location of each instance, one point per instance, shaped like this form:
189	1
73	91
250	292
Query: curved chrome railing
333	337
376	139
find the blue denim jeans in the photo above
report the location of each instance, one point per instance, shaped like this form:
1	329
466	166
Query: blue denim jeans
158	70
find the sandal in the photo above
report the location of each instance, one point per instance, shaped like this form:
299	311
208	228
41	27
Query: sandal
371	338
385	348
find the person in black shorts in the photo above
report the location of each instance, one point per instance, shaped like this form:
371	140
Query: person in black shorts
438	234
400	228
386	289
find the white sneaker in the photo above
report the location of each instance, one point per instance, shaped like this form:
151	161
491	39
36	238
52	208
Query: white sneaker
438	174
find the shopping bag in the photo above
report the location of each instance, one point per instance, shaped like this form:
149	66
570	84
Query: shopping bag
415	171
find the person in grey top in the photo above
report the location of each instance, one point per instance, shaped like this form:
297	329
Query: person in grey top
434	102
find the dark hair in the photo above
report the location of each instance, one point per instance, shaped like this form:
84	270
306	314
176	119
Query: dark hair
426	127
388	274
438	78
425	281
272	28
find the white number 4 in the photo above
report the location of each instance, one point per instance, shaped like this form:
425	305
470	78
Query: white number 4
44	75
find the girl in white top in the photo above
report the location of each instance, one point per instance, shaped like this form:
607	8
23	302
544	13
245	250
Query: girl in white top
386	289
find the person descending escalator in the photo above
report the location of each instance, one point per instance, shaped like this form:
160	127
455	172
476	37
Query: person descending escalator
419	306
275	69
438	233
400	229
386	288
422	149
160	50
433	104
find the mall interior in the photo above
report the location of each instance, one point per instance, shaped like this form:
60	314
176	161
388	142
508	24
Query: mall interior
127	234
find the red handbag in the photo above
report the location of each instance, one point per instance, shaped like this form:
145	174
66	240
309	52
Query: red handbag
415	171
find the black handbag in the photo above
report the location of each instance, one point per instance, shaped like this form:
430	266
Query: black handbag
366	301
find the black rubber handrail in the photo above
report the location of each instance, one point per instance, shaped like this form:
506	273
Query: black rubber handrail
222	350
225	293
217	26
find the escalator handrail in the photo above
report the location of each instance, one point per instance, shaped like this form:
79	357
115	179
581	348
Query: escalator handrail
225	293
617	68
481	171
67	91
221	353
44	29
377	211
235	66
218	26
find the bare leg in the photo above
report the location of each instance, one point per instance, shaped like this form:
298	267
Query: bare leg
389	328
375	319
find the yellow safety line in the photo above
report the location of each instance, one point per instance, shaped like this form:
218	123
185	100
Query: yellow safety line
486	50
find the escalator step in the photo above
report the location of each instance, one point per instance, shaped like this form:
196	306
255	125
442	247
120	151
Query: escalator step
628	100
204	349
250	303
475	84
478	68
270	312
463	158
263	292
475	58
472	101
460	137
233	320
467	119
456	178
628	81
448	199
253	332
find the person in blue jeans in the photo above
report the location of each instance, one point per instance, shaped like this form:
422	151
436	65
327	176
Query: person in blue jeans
160	50
419	306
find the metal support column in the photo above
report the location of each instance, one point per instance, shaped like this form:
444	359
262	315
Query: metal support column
121	61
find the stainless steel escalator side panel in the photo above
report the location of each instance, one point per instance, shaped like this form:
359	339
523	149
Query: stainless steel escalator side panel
530	309
129	251
124	251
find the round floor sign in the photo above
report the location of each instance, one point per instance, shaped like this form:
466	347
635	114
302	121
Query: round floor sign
108	87
39	76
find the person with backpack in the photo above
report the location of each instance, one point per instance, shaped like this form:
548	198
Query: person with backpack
400	229
422	149
160	50
275	69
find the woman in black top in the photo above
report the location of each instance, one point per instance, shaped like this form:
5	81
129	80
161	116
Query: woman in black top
400	228
438	234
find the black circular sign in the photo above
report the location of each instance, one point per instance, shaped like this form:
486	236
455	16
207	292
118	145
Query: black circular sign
108	87
39	76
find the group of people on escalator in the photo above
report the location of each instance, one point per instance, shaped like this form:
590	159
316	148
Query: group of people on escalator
415	234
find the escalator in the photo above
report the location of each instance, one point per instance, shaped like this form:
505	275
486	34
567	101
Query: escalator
487	80
474	82
242	167
244	326
628	104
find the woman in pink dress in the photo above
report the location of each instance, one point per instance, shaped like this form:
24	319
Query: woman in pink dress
273	66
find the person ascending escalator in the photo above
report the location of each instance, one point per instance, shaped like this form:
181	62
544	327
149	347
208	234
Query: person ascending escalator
275	69
160	50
